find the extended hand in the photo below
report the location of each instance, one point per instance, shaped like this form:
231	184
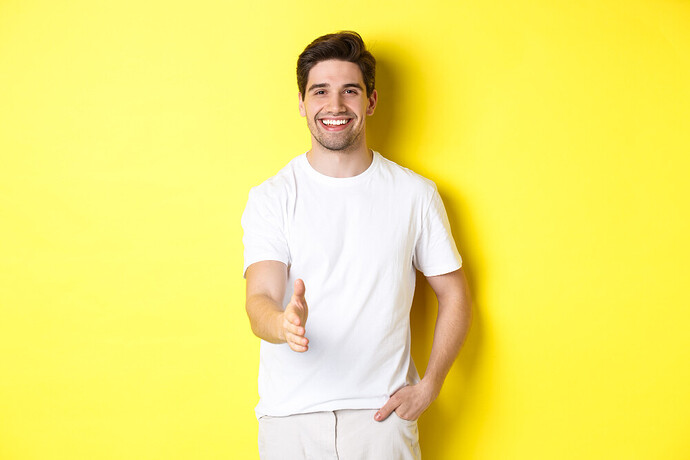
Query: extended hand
408	402
294	319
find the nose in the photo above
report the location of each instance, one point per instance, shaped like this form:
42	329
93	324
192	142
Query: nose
336	103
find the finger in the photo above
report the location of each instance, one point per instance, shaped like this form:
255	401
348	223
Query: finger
292	318
297	339
297	346
300	289
410	417
294	329
386	410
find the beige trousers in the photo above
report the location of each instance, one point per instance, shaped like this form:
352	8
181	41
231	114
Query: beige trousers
338	435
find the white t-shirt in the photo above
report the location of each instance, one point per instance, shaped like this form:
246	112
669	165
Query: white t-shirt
355	242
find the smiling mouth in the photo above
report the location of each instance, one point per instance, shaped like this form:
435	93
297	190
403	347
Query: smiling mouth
333	124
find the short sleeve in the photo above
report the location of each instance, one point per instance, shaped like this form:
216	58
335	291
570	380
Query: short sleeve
264	235
435	251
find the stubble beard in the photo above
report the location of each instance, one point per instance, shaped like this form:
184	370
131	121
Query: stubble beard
336	142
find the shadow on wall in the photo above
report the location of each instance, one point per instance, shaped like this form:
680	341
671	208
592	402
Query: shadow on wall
445	419
382	126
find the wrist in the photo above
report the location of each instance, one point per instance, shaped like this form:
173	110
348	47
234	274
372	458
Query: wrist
432	385
279	330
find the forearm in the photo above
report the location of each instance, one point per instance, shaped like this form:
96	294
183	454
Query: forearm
265	316
452	324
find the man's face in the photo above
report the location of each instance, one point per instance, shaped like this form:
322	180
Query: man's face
335	104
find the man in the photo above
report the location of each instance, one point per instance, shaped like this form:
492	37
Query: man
331	246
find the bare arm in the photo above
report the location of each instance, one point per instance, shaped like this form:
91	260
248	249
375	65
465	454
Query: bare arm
266	282
452	324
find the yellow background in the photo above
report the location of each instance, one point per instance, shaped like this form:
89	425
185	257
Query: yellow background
131	132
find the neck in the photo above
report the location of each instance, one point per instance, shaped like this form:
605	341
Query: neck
340	163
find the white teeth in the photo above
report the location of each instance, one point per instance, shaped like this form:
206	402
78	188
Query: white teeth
334	122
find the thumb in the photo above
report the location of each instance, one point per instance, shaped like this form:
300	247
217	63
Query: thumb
383	413
299	289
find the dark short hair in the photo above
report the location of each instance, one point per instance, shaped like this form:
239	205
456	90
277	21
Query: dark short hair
343	46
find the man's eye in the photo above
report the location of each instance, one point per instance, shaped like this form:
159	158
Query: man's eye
320	92
351	91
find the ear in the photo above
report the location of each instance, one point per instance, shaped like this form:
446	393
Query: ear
302	110
373	99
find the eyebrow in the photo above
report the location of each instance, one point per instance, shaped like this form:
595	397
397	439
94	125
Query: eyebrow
327	85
